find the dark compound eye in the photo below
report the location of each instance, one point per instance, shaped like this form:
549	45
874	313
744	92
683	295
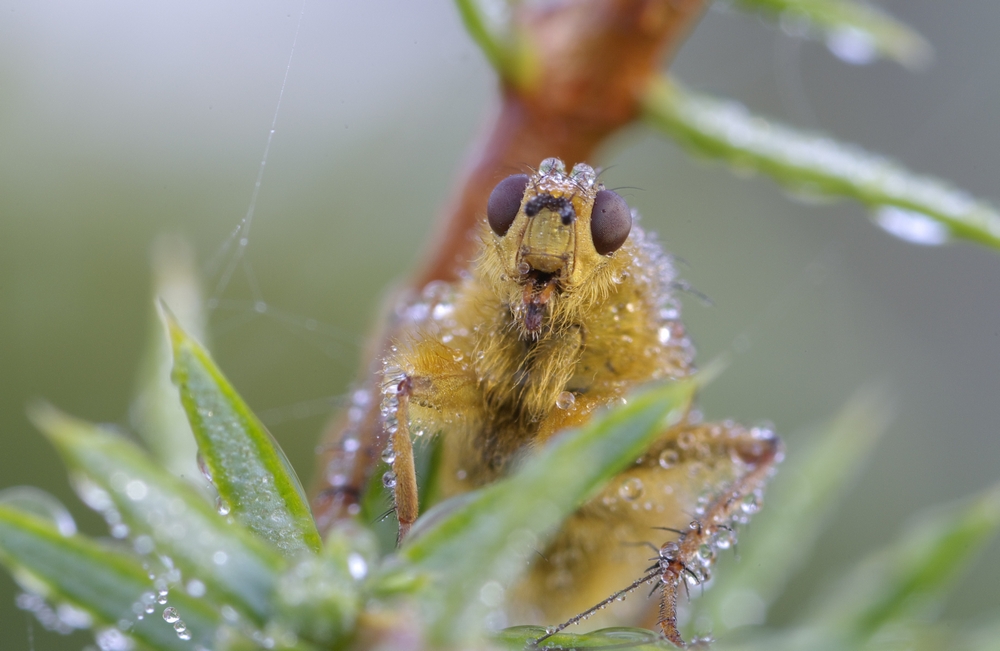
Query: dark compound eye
505	201
610	222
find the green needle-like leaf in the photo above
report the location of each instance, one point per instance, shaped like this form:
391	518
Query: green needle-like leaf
486	536
800	500
861	29
109	585
917	208
162	512
519	638
251	473
912	575
488	23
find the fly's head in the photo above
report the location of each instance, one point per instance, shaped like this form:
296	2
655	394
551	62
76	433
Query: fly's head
552	241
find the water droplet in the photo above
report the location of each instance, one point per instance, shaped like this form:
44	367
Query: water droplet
203	467
143	545
196	588
631	489
911	226
523	268
170	615
750	505
389	479
73	617
442	311
220	557
685	440
112	639
351	445
550	165
663	335
565	400
389	455
724	539
92	495
852	46
356	566
492	594
669	458
222	506
260	307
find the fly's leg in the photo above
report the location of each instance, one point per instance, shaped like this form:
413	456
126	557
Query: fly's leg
699	482
399	453
689	559
426	388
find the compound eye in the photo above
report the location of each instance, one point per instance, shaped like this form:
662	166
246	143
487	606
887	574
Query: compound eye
610	222
505	201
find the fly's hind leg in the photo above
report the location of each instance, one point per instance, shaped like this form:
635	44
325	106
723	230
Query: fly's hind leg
426	388
753	455
697	482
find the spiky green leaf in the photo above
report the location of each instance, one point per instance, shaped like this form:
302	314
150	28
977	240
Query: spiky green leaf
109	585
920	209
487	535
254	479
489	24
860	31
911	576
519	638
161	512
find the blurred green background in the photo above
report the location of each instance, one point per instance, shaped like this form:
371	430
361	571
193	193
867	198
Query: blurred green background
121	121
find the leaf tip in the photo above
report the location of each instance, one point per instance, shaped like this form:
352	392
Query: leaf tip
712	370
49	419
170	322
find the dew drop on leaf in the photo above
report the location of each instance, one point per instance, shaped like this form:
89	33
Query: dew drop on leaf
911	226
852	46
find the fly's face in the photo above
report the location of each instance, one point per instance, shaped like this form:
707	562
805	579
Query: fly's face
552	232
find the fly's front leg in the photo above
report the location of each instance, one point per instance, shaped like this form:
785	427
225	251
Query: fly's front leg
427	389
402	479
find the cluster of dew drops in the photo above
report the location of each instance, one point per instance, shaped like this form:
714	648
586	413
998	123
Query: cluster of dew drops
162	572
63	618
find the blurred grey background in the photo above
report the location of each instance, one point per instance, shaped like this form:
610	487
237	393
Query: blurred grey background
120	121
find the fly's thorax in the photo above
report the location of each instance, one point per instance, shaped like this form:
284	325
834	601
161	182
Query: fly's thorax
551	234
